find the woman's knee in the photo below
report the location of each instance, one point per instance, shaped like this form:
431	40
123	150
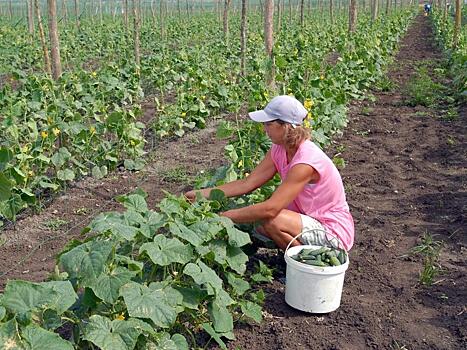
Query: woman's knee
285	221
271	225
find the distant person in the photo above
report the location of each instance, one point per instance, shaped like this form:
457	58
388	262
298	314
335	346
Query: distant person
427	9
310	200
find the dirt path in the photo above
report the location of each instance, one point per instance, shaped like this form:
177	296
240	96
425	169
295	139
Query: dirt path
28	249
405	176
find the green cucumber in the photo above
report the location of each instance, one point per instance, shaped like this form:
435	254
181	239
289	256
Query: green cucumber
335	261
341	257
309	258
320	251
306	251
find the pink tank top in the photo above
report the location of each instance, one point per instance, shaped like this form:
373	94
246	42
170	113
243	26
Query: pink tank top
325	200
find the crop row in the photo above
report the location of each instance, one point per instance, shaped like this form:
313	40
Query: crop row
456	52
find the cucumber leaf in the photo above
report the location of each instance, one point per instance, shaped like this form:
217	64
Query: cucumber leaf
165	251
108	284
39	338
204	275
113	335
86	261
144	302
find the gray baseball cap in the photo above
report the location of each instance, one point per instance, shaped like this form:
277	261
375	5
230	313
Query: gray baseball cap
286	108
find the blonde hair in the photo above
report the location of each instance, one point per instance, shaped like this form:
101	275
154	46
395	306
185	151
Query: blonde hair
295	136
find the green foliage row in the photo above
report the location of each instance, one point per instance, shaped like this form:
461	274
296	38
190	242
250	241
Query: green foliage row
144	280
53	132
457	54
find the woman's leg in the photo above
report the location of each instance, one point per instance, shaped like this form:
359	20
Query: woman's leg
282	228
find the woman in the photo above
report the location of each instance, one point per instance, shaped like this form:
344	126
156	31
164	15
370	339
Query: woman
310	200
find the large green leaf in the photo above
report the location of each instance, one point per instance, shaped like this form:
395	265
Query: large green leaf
176	342
170	206
133	218
164	251
115	223
217	337
252	310
191	297
133	265
113	335
155	220
204	275
134	202
143	302
9	338
86	261
180	342
196	238
5	188
5	156
36	338
24	296
239	285
12	206
237	259
64	296
2	312
221	318
207	226
99	171
219	249
108	284
237	238
60	157
66	175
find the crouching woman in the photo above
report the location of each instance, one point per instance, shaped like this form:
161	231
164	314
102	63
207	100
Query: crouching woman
310	199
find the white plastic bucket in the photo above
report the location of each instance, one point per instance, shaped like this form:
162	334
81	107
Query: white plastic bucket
310	288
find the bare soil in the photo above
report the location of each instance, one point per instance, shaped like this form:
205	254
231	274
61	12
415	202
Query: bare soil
405	176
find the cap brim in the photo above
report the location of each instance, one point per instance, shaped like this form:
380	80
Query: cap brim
260	116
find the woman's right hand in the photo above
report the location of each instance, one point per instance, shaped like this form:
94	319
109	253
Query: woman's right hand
191	195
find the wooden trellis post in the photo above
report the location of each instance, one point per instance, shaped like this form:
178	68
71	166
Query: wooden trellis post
352	15
54	40
30	17
45	50
457	23
243	38
269	42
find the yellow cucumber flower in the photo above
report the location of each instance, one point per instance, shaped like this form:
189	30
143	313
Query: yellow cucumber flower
308	104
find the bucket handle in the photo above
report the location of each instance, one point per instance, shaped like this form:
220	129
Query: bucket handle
339	244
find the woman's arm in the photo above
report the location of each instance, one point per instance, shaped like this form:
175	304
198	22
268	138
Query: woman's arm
296	179
258	177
